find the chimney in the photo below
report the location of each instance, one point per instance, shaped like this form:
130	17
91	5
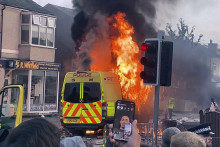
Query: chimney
212	46
161	34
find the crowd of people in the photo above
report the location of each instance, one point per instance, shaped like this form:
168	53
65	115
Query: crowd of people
199	136
39	132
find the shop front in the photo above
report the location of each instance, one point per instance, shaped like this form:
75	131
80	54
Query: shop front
40	81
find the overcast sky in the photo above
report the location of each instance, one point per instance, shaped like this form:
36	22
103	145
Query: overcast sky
203	14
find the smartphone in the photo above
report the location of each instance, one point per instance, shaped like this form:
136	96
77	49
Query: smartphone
124	116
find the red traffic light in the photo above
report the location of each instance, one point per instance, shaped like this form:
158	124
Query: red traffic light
144	47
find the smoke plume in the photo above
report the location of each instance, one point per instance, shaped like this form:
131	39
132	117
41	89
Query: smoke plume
91	33
136	13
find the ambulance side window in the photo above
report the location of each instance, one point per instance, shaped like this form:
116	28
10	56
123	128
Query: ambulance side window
71	92
91	92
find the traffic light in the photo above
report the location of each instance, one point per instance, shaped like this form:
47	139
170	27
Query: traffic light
166	63
150	60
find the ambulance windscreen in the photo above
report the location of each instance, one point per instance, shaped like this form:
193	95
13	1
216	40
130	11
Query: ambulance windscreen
72	92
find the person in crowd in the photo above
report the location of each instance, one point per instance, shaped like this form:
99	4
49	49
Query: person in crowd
204	131
187	139
167	134
214	106
39	132
133	141
170	107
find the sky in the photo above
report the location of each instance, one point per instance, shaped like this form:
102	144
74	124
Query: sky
203	14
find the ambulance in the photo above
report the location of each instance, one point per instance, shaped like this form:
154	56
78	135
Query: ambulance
88	99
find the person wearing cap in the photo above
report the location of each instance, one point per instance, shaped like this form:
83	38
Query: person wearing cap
204	130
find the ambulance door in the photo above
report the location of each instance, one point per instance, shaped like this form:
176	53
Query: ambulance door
11	106
72	107
91	106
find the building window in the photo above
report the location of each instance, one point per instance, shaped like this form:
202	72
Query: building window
44	90
50	37
51	22
43	37
25	19
36	19
35	34
43	21
21	77
214	66
42	28
25	34
51	90
37	90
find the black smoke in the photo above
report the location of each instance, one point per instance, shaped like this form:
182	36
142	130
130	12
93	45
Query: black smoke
139	13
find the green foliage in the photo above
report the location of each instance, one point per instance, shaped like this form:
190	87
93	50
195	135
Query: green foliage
183	32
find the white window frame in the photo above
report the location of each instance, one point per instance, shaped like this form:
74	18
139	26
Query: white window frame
40	36
26	24
36	17
214	66
28	103
39	25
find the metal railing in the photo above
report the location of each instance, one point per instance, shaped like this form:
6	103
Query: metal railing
146	131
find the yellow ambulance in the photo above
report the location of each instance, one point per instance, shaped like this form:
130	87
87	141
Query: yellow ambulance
88	99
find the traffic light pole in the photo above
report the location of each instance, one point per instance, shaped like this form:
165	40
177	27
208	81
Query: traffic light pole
156	112
157	97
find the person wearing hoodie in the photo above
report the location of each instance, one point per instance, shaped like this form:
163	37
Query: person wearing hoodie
167	134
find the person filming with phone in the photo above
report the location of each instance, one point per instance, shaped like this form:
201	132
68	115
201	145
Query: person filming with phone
133	141
214	106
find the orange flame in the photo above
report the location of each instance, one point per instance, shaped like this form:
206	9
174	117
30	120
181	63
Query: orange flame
160	133
126	52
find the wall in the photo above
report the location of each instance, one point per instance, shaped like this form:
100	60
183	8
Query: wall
11	40
11	32
2	75
42	54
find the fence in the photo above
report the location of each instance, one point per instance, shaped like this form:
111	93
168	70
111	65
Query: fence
146	131
214	119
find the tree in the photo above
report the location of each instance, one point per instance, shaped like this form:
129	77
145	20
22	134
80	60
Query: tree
183	32
191	74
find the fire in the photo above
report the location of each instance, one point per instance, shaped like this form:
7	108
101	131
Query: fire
160	132
127	55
